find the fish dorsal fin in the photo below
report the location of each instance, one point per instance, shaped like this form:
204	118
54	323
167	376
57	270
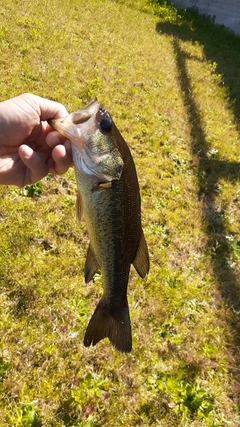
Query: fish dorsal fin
141	260
91	265
79	207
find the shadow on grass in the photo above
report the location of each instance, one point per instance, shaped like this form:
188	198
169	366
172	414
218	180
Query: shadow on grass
222	47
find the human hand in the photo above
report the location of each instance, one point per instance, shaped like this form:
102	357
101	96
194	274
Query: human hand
29	149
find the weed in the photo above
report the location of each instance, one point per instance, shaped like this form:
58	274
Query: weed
32	190
27	416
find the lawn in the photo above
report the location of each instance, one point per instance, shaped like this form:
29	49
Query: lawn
171	81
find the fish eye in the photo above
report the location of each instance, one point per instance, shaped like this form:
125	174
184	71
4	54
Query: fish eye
105	125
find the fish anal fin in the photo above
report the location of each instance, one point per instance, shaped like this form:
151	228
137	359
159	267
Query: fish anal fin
112	323
141	260
79	207
91	265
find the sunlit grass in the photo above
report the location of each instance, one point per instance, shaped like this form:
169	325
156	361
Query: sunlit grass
173	90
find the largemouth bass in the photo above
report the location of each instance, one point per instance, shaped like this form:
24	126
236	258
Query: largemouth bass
109	199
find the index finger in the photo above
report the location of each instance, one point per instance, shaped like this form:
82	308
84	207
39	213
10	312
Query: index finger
46	108
55	138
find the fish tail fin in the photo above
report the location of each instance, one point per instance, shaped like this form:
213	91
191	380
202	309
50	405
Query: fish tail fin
110	323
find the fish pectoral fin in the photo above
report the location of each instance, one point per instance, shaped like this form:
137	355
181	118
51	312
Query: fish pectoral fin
79	207
105	184
91	265
101	185
110	323
141	260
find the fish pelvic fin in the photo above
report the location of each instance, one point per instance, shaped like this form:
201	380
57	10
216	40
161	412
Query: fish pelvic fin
112	323
141	260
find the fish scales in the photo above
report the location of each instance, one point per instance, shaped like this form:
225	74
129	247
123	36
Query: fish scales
109	200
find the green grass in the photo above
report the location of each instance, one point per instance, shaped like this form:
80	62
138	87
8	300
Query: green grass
171	82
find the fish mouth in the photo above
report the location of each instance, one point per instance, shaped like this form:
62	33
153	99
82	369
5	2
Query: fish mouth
89	129
68	126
